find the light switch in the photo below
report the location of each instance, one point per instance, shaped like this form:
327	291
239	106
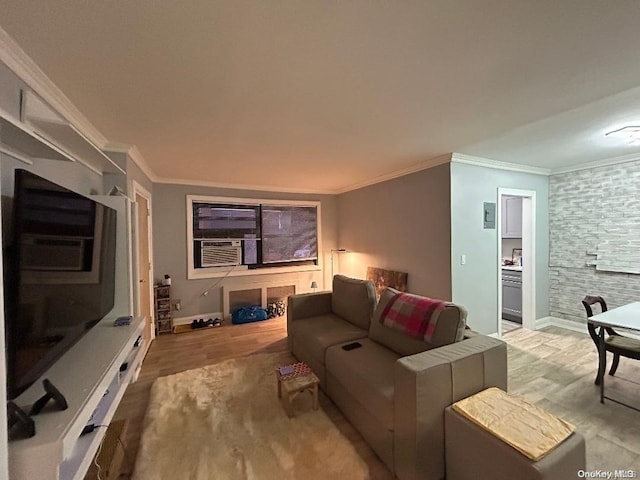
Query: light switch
463	259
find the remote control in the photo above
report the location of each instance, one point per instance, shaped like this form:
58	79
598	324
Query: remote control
351	346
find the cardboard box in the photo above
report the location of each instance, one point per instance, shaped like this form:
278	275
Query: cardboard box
111	454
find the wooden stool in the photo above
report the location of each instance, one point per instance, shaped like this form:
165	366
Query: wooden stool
294	384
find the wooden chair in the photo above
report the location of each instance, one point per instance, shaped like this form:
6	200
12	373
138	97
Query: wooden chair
615	343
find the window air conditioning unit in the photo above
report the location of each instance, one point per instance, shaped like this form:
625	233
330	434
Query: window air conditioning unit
220	253
51	254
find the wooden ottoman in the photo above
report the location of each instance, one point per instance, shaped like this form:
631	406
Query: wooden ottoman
501	437
293	380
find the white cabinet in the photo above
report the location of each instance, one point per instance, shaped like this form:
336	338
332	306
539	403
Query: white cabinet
93	378
511	217
91	375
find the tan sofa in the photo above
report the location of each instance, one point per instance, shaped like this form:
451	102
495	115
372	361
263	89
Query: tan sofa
394	388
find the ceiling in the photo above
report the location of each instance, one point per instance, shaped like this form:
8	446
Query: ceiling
317	95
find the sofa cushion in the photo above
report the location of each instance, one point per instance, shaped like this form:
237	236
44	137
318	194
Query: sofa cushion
450	328
367	374
313	335
354	300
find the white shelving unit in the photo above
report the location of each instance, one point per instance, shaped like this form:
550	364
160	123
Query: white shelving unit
89	376
41	133
91	368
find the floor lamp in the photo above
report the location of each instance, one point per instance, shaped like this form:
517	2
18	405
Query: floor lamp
337	250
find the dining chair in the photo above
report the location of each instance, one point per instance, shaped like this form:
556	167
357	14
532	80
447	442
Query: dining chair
615	343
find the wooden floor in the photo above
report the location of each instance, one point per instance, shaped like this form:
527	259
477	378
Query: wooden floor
553	368
171	354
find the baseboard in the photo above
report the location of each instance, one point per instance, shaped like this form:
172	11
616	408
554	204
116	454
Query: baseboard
561	323
191	318
574	326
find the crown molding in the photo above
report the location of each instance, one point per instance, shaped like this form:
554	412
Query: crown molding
487	162
632	157
135	155
432	162
237	186
12	55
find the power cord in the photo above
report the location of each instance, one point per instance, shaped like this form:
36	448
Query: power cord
215	284
90	428
95	458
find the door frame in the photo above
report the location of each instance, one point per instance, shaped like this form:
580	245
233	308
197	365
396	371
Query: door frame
528	257
138	189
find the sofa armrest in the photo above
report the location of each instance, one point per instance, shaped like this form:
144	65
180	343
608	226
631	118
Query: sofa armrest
305	305
427	383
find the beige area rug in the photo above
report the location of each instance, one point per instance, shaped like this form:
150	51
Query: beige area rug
225	421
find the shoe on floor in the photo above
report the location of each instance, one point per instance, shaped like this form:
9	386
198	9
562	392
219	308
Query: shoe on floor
217	322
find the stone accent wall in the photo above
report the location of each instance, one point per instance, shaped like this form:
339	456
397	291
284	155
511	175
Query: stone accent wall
594	238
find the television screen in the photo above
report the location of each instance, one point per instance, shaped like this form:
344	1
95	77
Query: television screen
59	274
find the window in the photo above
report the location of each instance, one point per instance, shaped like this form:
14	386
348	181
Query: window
251	235
289	234
223	221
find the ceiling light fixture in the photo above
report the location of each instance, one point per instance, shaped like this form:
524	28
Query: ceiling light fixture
631	133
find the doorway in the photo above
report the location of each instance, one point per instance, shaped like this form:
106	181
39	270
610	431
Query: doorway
144	266
516	258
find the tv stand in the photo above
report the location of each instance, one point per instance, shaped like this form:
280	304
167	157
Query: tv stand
89	375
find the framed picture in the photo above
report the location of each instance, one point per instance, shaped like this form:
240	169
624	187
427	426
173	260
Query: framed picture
382	278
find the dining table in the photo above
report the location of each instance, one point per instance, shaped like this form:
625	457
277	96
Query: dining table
625	317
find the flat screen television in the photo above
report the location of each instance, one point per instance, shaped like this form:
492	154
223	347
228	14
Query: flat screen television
59	275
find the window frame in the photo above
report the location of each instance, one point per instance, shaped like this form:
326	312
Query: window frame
243	270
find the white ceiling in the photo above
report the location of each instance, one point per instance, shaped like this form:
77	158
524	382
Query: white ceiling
323	95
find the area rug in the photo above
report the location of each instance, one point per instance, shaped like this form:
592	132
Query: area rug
225	421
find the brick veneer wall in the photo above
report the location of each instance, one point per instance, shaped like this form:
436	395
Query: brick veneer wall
595	211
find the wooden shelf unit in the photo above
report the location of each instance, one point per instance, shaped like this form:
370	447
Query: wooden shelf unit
163	309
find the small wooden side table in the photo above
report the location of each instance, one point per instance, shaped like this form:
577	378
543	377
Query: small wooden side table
292	384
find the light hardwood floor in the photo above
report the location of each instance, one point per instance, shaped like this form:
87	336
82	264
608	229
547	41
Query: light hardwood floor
553	368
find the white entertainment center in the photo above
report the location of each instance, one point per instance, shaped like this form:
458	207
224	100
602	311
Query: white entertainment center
93	376
89	377
39	135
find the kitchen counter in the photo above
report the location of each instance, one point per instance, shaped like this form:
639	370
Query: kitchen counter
513	268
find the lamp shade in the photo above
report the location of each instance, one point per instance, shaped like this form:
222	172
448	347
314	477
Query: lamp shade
314	284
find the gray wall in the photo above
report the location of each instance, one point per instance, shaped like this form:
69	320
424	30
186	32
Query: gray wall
595	210
401	224
170	244
475	284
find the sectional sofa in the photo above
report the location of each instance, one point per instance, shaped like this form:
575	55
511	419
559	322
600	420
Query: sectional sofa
393	388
